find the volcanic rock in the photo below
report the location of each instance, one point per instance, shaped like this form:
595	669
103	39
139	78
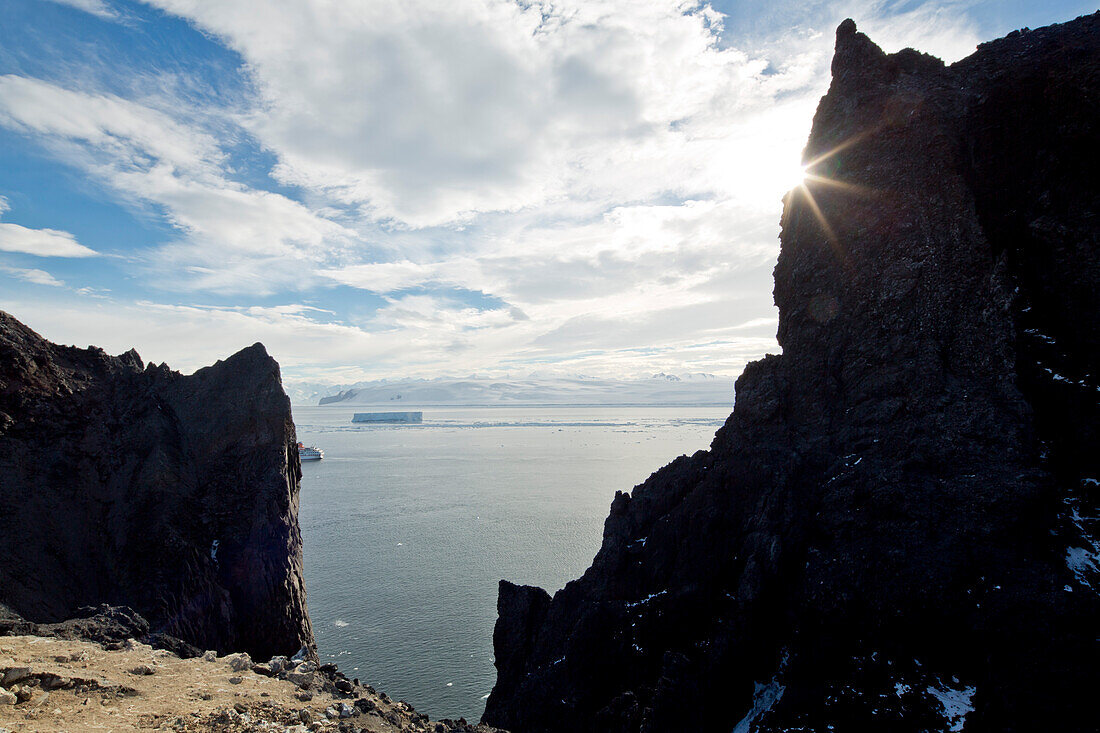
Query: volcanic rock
895	529
173	495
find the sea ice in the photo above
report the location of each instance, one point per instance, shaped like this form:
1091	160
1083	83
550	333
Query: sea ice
956	703
1083	563
645	600
763	699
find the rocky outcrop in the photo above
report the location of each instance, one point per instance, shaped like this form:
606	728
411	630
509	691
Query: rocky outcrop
892	529
137	486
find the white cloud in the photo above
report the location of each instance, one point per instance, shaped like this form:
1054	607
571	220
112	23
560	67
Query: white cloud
942	29
38	277
412	336
430	113
233	238
95	7
41	242
607	172
119	132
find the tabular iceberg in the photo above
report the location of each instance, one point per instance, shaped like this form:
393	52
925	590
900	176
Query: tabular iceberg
388	417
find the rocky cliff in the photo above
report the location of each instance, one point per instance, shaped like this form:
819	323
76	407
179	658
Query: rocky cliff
892	529
137	486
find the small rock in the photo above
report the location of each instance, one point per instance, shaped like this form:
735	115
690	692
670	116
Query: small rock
23	693
305	716
345	710
206	696
143	669
239	662
278	664
40	699
236	680
303	680
15	674
135	645
54	682
264	669
7	698
210	656
330	712
239	707
304	696
344	686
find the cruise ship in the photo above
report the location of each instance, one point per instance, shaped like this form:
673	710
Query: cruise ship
310	453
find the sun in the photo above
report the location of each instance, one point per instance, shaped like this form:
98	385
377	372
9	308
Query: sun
795	175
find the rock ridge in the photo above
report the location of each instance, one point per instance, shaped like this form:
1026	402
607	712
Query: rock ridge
133	485
896	526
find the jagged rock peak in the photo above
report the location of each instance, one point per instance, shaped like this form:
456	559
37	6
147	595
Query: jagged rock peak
855	53
174	495
897	527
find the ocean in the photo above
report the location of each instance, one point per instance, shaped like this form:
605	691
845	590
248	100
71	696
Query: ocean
407	529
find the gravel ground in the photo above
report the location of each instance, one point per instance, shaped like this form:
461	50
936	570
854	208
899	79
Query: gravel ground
49	684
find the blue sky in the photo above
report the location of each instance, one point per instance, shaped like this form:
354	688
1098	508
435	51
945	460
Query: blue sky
396	188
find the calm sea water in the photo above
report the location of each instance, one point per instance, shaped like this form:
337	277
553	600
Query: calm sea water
408	528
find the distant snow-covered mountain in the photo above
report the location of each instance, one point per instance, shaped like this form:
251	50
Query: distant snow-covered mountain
535	389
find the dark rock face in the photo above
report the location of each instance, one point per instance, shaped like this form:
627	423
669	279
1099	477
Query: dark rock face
892	529
118	480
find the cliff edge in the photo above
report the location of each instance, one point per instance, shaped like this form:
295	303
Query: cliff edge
896	527
137	486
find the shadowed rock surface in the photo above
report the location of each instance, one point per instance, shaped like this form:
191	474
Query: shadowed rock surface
896	527
118	479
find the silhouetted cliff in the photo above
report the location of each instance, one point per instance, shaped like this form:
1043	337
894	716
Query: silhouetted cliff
138	486
891	531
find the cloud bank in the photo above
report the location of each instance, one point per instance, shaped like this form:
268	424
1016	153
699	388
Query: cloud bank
430	188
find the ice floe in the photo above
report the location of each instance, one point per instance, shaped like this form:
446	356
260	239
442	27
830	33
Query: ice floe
764	698
956	702
647	599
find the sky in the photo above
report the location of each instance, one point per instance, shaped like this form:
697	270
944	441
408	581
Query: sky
400	188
